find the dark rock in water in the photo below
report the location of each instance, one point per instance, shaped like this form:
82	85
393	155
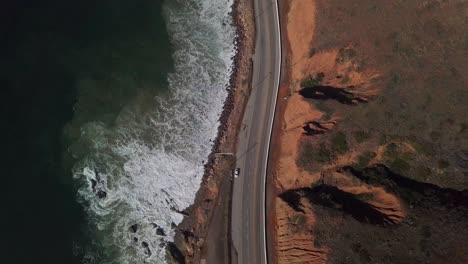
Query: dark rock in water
98	177
101	194
175	253
160	232
93	184
135	239
185	213
146	248
173	225
148	251
133	228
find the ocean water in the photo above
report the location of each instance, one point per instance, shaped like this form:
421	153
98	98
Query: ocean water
112	107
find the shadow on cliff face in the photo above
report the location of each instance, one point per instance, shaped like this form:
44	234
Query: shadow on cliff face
323	92
412	191
334	198
355	231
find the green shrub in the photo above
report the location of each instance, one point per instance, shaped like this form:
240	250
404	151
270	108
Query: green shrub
399	165
306	156
300	219
345	80
310	82
340	144
297	222
319	237
364	159
323	154
319	77
345	54
365	197
323	107
424	147
391	151
361	136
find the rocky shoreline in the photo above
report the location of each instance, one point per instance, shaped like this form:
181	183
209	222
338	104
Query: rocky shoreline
191	233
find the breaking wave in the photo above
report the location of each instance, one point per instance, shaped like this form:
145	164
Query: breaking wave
136	174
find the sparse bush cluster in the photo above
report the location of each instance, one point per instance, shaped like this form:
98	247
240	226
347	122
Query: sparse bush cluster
345	54
361	136
400	165
310	155
345	80
391	151
297	222
323	107
339	143
397	160
305	156
365	197
312	81
321	154
364	159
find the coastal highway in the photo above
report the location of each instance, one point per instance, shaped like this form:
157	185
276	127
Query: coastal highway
248	225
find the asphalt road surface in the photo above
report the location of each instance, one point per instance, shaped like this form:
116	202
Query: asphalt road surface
248	201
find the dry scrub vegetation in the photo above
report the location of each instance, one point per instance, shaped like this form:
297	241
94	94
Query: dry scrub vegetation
397	91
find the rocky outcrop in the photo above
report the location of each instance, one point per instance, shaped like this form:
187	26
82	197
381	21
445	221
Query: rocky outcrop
317	127
98	185
175	253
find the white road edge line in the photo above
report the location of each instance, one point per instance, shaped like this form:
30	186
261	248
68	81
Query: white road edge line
271	129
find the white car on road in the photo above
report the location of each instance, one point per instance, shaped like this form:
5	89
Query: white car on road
236	172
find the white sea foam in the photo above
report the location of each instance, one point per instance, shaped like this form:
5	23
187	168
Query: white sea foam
150	164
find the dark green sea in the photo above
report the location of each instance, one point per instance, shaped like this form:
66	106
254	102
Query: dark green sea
108	110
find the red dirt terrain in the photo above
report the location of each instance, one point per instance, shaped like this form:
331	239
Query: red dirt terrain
371	140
